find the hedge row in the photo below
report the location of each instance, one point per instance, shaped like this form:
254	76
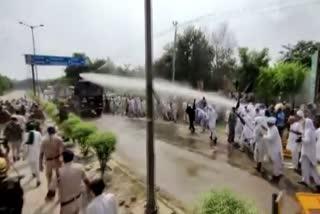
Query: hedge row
84	133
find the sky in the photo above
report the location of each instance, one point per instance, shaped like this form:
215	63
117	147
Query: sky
115	29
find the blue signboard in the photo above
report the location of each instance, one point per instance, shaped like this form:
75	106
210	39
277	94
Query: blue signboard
54	60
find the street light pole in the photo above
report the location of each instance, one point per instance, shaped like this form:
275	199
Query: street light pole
33	67
151	207
175	24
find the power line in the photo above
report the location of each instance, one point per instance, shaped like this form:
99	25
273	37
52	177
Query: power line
229	15
236	13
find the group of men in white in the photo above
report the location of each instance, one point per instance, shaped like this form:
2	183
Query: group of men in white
256	129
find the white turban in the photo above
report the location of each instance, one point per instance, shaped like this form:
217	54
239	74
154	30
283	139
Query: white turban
300	114
271	120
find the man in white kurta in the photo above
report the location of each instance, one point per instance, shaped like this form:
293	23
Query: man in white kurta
202	118
309	155
33	147
260	148
295	133
212	119
247	132
274	148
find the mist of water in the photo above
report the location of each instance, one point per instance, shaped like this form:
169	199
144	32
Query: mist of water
161	87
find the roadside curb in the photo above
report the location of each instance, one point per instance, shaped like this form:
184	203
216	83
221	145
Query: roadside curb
162	196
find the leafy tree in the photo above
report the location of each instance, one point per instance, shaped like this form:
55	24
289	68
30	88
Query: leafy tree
224	201
224	62
194	55
283	79
266	80
163	66
289	78
5	84
300	52
103	144
81	132
249	67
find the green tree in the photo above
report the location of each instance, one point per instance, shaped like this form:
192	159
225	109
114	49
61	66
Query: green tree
163	65
249	67
194	55
283	79
5	84
289	78
300	52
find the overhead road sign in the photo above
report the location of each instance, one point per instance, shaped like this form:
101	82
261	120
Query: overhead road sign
54	60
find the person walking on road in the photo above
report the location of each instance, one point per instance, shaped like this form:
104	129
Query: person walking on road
33	147
191	111
232	122
103	202
295	138
274	148
309	156
69	181
51	149
13	134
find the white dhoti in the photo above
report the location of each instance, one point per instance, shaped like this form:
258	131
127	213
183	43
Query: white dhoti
259	152
33	160
309	170
277	166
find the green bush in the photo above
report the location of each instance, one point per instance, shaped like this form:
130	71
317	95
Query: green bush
80	133
103	144
51	109
68	125
223	202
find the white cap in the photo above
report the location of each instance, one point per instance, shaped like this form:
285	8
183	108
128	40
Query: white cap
271	120
300	114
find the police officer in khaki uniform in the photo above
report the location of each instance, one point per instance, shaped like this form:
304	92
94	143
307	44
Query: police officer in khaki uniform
69	181
51	150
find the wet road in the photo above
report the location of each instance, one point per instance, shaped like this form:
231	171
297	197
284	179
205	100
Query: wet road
183	174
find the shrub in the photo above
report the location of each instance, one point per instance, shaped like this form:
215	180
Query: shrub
81	132
68	125
52	110
103	144
217	202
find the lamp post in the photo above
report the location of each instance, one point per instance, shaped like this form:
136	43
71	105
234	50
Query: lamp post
34	74
175	24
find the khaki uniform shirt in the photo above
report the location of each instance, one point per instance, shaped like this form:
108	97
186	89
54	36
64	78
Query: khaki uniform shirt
69	184
52	149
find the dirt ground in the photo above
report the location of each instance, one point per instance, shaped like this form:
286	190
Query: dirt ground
129	191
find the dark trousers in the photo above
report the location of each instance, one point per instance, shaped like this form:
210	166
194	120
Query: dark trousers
281	129
191	125
231	134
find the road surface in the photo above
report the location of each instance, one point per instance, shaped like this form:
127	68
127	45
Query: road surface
183	174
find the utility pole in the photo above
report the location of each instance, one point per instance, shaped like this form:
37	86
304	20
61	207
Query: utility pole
175	24
34	53
33	67
151	207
